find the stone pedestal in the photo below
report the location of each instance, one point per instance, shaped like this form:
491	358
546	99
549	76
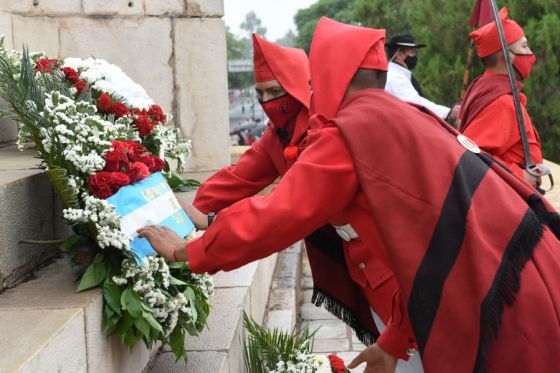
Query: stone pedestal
174	48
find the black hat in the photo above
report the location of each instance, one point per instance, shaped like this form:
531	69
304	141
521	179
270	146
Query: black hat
404	40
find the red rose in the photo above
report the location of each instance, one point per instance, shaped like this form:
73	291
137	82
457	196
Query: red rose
144	124
155	164
104	102
100	185
337	364
156	113
119	109
45	65
70	74
116	160
134	150
119	146
80	85
119	180
138	171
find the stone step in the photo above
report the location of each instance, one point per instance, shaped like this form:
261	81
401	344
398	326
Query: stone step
47	327
285	293
28	211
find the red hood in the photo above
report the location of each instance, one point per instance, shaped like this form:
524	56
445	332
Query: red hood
337	51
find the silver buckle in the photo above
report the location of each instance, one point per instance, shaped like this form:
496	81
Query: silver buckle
346	232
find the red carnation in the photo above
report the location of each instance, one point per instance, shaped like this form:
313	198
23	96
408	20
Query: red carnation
104	102
80	85
337	364
138	171
134	150
155	164
144	124
119	109
116	160
119	180
100	185
45	65
70	74
156	113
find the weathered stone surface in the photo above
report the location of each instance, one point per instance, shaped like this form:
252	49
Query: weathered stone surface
261	287
199	362
282	319
329	345
201	81
6	29
241	277
42	340
37	33
113	7
164	7
288	265
23	190
309	311
205	8
327	328
223	322
8	127
42	7
141	47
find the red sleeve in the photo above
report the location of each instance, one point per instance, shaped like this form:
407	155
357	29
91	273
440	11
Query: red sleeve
253	172
319	185
397	337
496	131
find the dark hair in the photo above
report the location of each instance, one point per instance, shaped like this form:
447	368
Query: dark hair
491	60
368	78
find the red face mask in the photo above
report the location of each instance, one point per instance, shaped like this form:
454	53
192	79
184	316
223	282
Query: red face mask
524	63
281	110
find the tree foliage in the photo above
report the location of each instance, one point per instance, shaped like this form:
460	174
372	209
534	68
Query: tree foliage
442	25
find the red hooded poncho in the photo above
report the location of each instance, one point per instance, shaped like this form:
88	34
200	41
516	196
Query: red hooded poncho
488	114
261	164
474	249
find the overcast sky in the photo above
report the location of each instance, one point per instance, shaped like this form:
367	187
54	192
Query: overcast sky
276	15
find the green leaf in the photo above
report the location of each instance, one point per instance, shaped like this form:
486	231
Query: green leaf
70	242
177	342
143	326
112	295
176	281
131	302
94	275
152	321
59	180
124	324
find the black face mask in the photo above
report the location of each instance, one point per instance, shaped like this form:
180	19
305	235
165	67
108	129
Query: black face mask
411	62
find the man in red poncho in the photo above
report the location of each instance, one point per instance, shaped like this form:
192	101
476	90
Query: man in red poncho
474	249
282	81
488	113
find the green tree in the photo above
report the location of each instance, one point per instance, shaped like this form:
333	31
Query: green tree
442	25
288	40
237	49
253	24
306	19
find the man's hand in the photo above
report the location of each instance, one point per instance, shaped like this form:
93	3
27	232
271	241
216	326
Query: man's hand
454	113
199	219
377	360
166	242
534	181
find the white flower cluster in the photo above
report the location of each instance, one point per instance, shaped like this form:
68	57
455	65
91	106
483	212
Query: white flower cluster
78	132
108	78
172	145
107	222
151	281
304	363
15	56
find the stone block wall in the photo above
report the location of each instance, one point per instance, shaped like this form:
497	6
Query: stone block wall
174	48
